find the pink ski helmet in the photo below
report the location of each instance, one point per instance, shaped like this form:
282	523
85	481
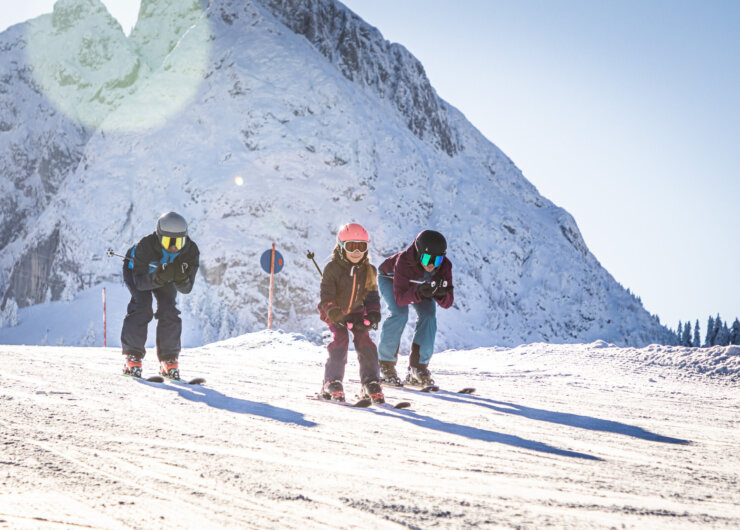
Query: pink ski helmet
352	232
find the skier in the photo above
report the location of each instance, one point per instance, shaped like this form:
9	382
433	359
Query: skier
421	277
350	301
161	264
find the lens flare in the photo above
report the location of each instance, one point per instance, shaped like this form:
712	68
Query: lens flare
238	181
87	67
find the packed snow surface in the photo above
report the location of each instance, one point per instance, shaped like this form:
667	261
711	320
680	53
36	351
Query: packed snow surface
580	436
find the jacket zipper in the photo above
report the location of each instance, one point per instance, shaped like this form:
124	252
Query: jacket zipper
354	283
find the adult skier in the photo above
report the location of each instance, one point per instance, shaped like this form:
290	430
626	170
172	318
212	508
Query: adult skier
350	302
161	264
421	277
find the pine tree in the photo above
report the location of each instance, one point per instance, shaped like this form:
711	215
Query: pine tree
735	332
718	325
723	336
679	333
686	337
697	335
710	333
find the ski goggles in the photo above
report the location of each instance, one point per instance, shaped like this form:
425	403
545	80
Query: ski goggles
168	241
426	259
354	246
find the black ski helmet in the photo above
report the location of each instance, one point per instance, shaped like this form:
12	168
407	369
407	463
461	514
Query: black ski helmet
430	242
172	224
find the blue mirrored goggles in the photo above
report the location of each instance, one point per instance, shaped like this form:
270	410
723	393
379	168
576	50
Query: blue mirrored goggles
426	259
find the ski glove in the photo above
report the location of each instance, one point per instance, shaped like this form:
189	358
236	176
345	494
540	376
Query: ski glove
441	292
180	273
163	274
336	316
425	291
374	318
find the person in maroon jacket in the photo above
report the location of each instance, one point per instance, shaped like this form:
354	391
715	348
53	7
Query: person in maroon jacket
350	301
421	277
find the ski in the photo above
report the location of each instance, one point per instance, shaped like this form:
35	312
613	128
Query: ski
152	379
194	381
387	405
435	388
363	403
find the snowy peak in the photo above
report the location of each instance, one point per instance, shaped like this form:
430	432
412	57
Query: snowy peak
278	121
160	26
362	55
82	61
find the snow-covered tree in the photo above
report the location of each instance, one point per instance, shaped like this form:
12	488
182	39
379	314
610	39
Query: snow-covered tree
90	338
723	336
735	332
697	335
710	333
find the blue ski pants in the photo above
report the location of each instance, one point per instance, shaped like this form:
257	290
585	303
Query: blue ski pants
394	324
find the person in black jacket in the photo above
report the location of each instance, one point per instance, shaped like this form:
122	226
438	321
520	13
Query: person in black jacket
161	264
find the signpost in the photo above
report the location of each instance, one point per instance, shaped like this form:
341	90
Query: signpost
105	341
272	262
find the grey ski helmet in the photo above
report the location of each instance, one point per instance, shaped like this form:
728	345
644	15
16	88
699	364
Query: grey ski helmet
172	230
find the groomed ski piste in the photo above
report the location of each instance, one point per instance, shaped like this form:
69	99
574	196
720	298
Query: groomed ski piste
579	436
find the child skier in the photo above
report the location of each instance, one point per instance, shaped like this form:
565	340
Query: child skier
420	276
350	302
161	264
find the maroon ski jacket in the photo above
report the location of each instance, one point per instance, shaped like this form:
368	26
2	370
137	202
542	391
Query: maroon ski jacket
403	267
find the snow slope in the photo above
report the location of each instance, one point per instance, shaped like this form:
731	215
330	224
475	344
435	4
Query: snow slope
320	121
579	436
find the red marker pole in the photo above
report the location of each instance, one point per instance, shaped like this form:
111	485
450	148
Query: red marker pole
272	281
105	339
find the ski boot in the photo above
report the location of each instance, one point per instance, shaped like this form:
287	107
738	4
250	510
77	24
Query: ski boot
169	368
333	390
419	376
132	365
388	375
373	391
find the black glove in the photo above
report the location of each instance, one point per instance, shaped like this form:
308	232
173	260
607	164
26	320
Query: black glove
336	316
163	274
180	272
425	291
374	318
441	291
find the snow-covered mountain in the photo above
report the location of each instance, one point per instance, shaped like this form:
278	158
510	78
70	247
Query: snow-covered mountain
279	120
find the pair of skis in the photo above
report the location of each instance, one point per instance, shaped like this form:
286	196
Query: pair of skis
362	403
161	379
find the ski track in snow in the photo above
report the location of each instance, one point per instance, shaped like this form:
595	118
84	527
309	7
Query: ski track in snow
581	436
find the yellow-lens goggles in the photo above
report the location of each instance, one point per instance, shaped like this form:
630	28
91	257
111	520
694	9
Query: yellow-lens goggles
169	241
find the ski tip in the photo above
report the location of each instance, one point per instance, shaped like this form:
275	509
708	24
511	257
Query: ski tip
467	390
402	405
197	381
363	403
430	388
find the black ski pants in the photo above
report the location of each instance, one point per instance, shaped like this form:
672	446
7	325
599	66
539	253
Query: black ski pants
139	314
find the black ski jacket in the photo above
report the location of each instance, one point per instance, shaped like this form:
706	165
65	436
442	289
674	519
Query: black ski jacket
148	254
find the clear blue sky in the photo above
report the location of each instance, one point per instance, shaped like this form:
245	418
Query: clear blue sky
626	113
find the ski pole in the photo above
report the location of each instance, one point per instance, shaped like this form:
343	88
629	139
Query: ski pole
110	254
310	255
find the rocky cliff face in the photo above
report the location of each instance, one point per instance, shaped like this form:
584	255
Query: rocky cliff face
302	118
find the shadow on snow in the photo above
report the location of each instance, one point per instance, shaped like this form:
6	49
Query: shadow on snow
479	434
562	418
215	399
